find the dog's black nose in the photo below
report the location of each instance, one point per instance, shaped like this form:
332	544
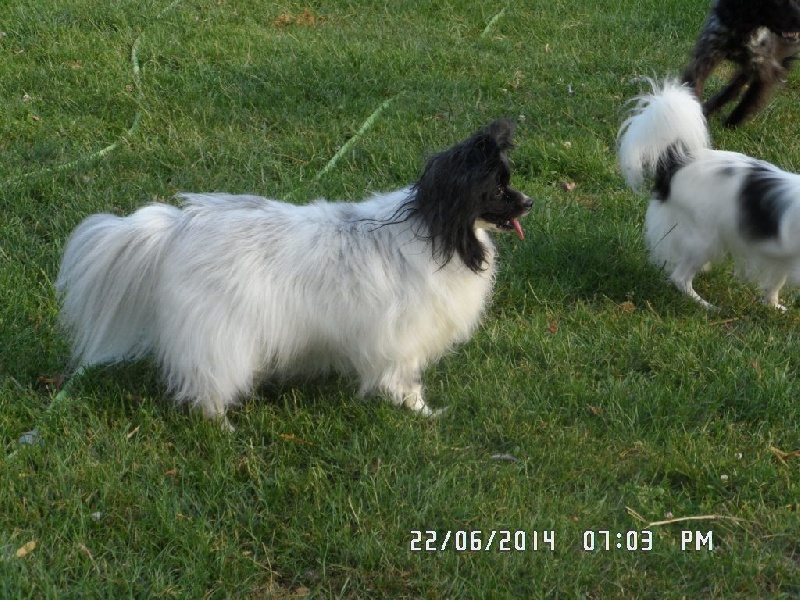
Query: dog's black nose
527	202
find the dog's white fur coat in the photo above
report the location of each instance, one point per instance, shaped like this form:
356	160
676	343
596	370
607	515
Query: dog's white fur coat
171	280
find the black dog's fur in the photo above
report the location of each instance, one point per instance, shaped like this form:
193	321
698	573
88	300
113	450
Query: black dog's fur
761	37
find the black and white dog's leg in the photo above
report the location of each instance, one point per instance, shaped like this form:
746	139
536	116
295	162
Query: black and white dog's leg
771	290
682	278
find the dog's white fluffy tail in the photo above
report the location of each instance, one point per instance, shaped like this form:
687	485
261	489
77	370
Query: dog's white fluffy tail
664	127
108	271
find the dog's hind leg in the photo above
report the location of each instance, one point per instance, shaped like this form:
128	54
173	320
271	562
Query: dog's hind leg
698	72
682	278
708	52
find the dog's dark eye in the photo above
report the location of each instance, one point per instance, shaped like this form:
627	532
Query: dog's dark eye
499	191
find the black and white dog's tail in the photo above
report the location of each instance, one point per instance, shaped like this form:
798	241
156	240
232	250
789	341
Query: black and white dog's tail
664	130
106	283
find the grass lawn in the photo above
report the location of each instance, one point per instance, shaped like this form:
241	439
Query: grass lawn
594	400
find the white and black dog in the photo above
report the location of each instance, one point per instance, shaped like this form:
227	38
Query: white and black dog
229	290
707	203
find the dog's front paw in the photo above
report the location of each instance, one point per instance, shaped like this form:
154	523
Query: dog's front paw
771	300
225	424
215	411
435	414
415	402
431	413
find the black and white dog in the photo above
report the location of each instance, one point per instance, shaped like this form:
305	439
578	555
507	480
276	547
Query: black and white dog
761	37
706	203
229	290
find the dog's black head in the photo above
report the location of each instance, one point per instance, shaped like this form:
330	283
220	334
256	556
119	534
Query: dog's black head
467	188
782	17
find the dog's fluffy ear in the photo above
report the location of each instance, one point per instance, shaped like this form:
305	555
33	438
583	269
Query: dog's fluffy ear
485	151
502	131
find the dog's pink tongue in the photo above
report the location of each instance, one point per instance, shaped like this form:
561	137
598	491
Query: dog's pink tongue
518	229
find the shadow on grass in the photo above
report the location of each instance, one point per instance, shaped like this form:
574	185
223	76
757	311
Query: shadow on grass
126	388
587	266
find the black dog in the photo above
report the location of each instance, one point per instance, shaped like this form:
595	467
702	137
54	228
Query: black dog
761	37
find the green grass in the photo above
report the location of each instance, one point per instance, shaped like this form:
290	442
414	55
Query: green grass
592	393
